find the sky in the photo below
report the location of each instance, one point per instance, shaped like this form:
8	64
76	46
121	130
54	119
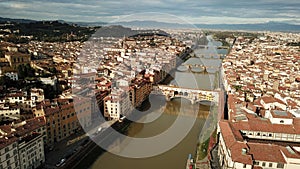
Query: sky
175	11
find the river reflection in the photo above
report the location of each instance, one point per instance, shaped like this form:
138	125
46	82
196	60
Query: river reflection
162	119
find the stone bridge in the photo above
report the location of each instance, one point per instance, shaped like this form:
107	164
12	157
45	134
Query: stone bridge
194	95
209	56
200	68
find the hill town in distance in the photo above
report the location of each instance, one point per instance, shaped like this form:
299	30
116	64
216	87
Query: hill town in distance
77	95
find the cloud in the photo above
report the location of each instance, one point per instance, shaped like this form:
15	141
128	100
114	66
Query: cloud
210	11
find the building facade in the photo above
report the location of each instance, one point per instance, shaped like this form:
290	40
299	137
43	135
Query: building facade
117	104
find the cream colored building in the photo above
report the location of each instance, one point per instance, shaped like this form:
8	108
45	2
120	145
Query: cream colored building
117	104
22	144
9	157
9	113
31	151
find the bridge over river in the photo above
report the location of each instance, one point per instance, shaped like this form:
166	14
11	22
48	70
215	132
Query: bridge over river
194	95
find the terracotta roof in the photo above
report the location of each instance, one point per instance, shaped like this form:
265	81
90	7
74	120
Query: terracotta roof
254	151
30	126
7	140
268	99
6	129
50	111
233	145
238	156
264	125
266	152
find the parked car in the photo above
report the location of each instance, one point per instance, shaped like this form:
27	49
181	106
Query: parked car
61	162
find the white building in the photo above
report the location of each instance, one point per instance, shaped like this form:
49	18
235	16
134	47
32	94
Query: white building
16	97
9	157
9	113
25	101
36	95
12	75
49	80
22	144
117	104
31	151
279	117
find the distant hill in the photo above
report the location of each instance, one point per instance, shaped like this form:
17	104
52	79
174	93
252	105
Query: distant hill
268	26
154	24
16	20
22	31
120	31
114	31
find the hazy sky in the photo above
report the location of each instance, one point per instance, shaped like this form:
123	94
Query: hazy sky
192	11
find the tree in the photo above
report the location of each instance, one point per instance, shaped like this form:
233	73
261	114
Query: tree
53	70
25	71
5	80
49	91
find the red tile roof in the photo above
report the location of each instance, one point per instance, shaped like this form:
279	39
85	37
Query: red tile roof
266	152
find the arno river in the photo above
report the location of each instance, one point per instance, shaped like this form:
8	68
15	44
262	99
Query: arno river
164	115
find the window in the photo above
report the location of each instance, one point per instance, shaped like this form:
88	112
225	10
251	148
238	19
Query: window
256	163
258	134
280	165
245	165
263	164
7	156
270	164
281	121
